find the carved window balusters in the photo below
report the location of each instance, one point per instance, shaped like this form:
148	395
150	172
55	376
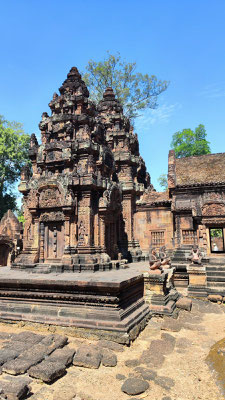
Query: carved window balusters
157	238
189	236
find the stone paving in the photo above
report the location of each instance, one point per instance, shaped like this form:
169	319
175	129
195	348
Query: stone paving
167	356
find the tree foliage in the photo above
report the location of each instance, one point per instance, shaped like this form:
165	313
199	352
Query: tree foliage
162	179
188	143
14	144
135	91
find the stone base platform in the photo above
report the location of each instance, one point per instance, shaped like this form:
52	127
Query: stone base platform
109	304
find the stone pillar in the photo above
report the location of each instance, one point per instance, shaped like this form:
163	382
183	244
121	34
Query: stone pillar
42	241
67	231
177	232
102	233
197	286
127	215
36	233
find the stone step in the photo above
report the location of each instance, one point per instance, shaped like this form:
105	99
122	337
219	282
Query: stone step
216	261
216	290
215	270
216	284
215	278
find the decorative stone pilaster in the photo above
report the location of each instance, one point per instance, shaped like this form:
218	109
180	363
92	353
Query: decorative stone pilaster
160	296
197	286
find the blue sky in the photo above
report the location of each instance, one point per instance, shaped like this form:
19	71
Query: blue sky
182	41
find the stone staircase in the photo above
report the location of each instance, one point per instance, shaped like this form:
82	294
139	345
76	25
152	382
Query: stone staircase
180	261
215	272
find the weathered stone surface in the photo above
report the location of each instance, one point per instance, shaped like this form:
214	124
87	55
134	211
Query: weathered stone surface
132	363
29	337
152	360
134	386
67	393
120	377
162	347
109	359
184	303
16	389
88	357
171	324
18	366
148	374
64	356
42	394
54	341
7	355
47	371
110	345
164	382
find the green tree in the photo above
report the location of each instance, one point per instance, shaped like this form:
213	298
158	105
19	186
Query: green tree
188	143
135	91
14	144
162	179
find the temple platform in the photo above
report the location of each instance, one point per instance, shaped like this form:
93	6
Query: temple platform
101	304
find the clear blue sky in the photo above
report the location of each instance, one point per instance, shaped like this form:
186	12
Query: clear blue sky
182	41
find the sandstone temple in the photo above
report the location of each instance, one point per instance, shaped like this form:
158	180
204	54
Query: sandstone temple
89	205
80	202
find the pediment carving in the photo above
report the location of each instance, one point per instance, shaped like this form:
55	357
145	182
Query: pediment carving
213	209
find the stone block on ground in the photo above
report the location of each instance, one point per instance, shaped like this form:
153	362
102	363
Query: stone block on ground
17	346
65	356
132	363
36	352
152	360
29	337
184	303
110	345
88	357
120	377
109	359
215	298
17	367
147	374
16	389
133	386
161	347
54	341
164	382
47	371
7	355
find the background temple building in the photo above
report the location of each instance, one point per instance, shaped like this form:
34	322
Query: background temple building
10	238
192	211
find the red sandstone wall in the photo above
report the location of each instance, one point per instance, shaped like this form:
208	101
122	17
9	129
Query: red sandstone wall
153	220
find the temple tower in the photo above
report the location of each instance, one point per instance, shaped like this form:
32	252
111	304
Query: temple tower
130	170
70	195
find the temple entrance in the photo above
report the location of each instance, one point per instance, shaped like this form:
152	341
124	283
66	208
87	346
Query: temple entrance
4	255
216	240
54	241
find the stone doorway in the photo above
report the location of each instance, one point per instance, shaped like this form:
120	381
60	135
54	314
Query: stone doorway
4	255
216	240
54	241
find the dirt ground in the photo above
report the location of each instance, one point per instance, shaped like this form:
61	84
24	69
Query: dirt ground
179	370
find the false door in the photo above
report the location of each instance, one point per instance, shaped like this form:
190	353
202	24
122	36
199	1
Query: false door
54	241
